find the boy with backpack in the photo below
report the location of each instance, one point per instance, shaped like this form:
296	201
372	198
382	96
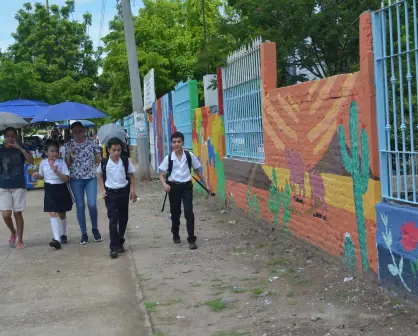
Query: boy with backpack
176	178
116	178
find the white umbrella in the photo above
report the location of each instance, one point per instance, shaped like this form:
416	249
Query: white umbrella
11	120
109	131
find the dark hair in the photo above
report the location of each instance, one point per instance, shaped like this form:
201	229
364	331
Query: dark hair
61	142
75	124
114	142
50	143
177	135
10	129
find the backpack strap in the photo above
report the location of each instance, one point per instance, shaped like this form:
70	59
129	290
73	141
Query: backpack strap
103	163
125	161
189	159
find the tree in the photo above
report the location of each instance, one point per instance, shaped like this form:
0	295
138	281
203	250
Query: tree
321	36
169	37
52	58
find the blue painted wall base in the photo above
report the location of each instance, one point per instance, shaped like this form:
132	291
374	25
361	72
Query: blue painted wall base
397	246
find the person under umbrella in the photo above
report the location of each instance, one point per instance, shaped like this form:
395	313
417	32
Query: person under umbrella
82	155
13	185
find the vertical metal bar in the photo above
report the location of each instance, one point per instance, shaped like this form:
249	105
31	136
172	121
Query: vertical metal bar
409	79
403	126
386	158
416	79
393	82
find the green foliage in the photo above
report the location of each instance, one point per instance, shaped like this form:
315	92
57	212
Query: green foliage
320	36
349	253
52	58
286	206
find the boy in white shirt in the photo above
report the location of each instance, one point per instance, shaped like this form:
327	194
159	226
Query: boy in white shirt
117	180
176	178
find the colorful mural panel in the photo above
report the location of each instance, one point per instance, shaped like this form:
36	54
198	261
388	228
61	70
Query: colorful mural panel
208	137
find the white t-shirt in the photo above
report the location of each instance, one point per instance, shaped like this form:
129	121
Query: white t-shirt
180	172
115	174
49	176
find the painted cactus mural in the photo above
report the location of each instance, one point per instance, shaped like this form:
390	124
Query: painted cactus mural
286	206
253	205
349	253
274	199
359	167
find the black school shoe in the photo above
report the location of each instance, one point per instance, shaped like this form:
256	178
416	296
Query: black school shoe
176	240
121	249
64	239
113	254
193	246
55	243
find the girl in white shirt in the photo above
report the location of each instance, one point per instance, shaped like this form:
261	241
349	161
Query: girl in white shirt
57	199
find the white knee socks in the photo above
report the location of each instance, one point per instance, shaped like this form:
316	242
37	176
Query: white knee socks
55	228
64	226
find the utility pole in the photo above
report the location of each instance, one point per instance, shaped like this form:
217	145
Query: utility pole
142	140
47	5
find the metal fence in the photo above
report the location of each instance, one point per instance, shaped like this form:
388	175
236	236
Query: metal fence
242	104
185	101
395	44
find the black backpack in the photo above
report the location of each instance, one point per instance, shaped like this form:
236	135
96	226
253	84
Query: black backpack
170	164
125	161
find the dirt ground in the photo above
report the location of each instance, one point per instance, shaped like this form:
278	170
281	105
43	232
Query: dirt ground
247	280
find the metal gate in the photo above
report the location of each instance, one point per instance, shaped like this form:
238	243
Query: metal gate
395	44
242	104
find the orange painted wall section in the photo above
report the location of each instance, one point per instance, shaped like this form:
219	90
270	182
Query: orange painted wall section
309	184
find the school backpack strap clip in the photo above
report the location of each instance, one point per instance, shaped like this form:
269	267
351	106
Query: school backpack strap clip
170	164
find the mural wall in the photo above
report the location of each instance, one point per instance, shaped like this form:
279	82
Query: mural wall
319	180
208	137
162	121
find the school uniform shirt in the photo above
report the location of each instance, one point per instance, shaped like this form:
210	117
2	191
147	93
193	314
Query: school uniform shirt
180	172
115	174
49	176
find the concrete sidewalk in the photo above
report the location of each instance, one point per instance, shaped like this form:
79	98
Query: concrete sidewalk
78	290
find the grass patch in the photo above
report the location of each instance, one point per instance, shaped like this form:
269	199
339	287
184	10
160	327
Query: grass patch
216	305
150	306
290	295
197	285
257	291
395	301
279	262
238	290
259	245
263	283
237	250
174	301
291	271
230	333
249	279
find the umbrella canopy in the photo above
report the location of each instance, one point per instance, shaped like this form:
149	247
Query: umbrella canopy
68	111
109	131
24	108
85	123
10	120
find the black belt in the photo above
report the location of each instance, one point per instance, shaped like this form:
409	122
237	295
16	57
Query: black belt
118	190
179	183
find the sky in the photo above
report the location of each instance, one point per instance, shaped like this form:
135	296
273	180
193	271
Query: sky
10	8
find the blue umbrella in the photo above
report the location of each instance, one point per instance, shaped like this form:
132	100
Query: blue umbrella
68	111
24	108
85	123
